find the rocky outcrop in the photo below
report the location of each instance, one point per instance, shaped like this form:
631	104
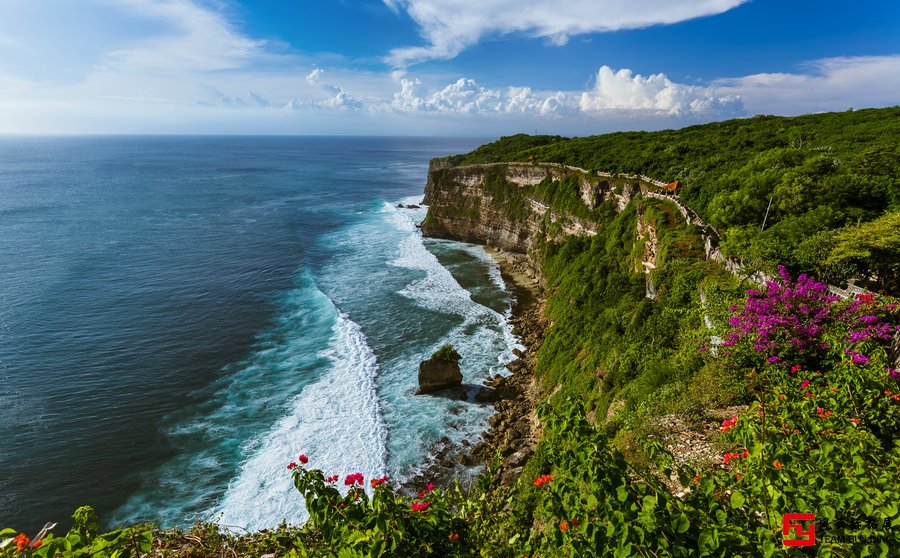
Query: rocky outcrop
491	204
437	375
646	231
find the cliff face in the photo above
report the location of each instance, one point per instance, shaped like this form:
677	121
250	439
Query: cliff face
495	204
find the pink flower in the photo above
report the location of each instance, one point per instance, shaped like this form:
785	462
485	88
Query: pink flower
419	506
804	384
430	486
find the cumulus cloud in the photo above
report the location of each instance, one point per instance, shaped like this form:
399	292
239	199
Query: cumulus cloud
466	96
621	91
337	99
625	90
449	26
828	84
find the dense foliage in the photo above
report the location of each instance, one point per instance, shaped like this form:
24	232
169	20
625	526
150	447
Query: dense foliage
807	178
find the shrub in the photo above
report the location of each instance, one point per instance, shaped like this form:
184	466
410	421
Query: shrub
447	353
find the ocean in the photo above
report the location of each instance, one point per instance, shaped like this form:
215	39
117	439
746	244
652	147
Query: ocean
180	317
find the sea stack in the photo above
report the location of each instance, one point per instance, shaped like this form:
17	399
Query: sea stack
440	372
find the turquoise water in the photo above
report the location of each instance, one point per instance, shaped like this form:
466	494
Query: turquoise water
181	317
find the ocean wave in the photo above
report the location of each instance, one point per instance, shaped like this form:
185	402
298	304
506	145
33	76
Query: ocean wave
336	421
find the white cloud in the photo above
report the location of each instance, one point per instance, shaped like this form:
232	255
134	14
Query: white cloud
196	39
449	26
613	91
623	90
338	98
465	96
829	84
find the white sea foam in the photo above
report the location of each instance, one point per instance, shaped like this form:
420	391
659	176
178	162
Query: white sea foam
439	290
336	421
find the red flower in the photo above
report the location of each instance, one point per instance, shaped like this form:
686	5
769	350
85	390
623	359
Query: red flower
778	464
855	421
303	459
430	486
795	369
21	541
419	506
291	465
453	536
564	525
729	424
728	457
355	478
542	480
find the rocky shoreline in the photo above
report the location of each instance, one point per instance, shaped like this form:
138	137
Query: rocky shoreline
513	430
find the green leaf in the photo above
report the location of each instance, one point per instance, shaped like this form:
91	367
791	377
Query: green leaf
709	541
681	523
737	499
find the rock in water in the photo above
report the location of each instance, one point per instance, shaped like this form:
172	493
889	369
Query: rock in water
438	374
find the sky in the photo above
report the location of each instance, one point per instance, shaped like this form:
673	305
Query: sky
435	67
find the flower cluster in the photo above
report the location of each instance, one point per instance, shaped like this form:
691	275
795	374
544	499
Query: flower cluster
729	424
293	464
21	541
786	315
419	506
355	478
428	488
823	413
796	324
728	457
332	478
564	525
542	480
378	482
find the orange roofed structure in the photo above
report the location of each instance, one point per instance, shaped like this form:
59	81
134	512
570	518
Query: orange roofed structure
674	186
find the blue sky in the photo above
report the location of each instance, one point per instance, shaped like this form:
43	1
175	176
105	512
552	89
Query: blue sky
434	67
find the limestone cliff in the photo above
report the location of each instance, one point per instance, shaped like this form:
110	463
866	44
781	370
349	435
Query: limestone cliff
497	205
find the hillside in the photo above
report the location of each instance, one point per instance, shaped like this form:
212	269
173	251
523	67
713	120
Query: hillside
683	408
824	173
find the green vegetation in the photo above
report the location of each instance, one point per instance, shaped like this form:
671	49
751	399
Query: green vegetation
447	353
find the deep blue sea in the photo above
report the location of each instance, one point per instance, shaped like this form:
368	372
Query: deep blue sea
181	317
